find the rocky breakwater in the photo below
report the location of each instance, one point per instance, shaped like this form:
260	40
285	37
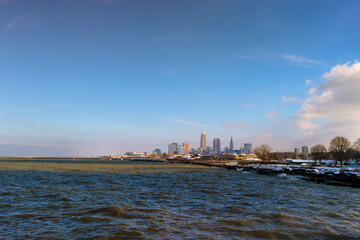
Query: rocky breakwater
326	175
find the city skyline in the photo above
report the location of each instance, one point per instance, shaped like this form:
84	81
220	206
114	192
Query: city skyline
98	77
204	148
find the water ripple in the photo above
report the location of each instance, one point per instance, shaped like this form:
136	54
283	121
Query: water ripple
122	200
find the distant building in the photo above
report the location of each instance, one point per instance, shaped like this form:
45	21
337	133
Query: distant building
216	146
296	151
203	141
305	150
209	150
135	154
154	154
158	151
248	148
187	147
231	145
172	148
226	150
181	149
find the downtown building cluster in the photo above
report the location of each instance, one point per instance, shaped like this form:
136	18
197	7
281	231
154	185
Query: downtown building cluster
175	148
244	151
304	151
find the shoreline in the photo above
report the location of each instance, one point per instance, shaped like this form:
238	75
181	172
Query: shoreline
349	177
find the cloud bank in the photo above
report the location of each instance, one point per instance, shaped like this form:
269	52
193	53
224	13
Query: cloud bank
332	108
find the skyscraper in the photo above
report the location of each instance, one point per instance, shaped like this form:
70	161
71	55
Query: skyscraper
187	147
248	148
203	141
296	151
231	145
181	150
173	147
305	150
216	146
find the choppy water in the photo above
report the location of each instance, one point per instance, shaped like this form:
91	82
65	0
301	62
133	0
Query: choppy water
123	200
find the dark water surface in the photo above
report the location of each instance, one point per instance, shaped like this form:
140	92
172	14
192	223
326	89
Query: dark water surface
123	200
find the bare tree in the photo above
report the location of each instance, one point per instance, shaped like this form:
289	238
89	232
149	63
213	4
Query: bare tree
337	147
263	152
356	148
318	152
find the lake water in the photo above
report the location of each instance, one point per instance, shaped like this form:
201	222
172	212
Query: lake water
137	200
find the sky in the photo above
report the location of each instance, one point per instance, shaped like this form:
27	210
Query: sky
99	77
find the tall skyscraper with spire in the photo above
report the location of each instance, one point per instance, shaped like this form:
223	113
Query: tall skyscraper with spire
203	141
231	145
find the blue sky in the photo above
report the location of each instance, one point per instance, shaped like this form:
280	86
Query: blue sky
104	76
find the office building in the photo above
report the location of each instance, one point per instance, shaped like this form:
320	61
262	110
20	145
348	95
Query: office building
173	148
231	145
135	154
305	150
297	152
187	148
216	146
209	150
248	148
203	141
181	149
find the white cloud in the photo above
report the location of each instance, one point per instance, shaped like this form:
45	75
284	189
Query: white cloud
290	99
307	83
271	115
301	61
289	58
235	125
333	107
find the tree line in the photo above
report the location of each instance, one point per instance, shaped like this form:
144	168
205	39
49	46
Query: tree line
340	150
